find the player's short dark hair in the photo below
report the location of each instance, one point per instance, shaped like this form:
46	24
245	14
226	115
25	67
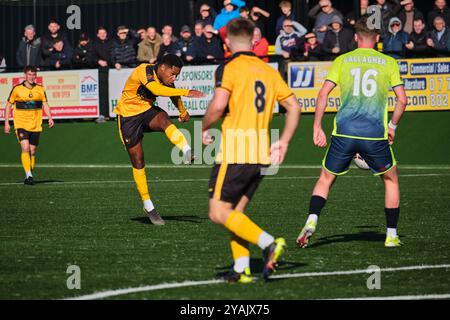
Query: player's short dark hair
363	29
240	27
172	60
30	68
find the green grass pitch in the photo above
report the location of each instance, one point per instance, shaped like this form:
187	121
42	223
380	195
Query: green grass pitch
91	217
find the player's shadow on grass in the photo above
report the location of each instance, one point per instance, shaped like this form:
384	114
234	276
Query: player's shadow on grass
369	236
47	181
182	218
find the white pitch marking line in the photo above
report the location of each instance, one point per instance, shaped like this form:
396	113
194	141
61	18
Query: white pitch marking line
118	292
206	179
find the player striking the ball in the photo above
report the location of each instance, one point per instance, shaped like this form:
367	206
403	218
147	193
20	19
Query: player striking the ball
136	114
364	76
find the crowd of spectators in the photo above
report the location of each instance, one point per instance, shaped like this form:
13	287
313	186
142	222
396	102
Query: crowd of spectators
405	32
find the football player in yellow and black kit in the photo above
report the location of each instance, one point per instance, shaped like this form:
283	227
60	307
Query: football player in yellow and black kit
246	91
136	114
28	99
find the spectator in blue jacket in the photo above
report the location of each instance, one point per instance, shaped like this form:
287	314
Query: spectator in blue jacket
230	11
286	10
395	40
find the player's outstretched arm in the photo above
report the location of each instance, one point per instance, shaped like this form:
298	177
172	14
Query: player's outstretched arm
49	114
279	148
398	111
215	110
319	136
7	112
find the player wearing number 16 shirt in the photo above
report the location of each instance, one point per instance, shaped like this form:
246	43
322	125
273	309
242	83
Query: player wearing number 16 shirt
245	94
365	77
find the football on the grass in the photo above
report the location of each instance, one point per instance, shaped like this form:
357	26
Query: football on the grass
360	162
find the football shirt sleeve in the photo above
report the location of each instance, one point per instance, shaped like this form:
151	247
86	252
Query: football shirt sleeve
395	78
12	96
334	74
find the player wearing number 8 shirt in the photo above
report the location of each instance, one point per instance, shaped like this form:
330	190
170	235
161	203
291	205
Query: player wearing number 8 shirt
360	126
246	92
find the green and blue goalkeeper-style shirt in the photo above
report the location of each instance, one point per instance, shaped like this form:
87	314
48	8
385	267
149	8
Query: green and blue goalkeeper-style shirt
365	77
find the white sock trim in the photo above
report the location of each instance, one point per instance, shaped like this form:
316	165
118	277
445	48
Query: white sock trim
265	240
241	263
312	217
28	174
391	232
148	205
186	148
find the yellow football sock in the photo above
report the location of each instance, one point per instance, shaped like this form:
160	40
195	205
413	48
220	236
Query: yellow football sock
26	162
176	137
141	183
243	227
33	161
239	247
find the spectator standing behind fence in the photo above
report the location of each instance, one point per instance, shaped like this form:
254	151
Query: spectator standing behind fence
168	29
101	49
338	40
260	18
82	55
389	9
408	14
198	30
123	53
53	35
186	44
439	38
29	50
209	48
323	13
417	45
308	48
167	47
142	32
260	45
352	17
440	9
394	43
206	15
230	11
286	13
286	40
148	48
60	57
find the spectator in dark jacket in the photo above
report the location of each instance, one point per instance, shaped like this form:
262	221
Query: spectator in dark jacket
408	14
323	13
206	14
417	45
60	57
53	35
308	48
260	18
352	17
440	9
82	55
185	44
286	10
395	41
101	49
338	40
167	47
439	38
208	49
389	9
123	52
29	50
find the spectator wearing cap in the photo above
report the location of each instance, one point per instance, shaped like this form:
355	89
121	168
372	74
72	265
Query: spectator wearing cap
29	51
286	13
208	49
123	52
60	56
323	13
148	48
286	40
53	35
260	18
82	55
338	39
439	38
417	45
185	44
260	45
206	14
230	11
394	43
101	49
408	14
440	9
309	48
